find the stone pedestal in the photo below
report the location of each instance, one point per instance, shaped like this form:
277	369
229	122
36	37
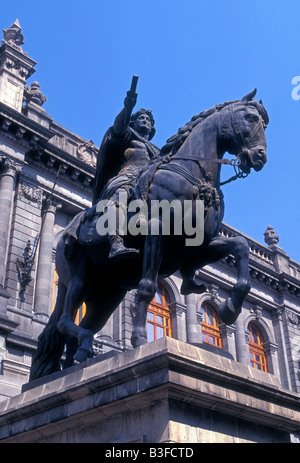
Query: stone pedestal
165	391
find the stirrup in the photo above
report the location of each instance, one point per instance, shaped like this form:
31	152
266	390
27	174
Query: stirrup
122	253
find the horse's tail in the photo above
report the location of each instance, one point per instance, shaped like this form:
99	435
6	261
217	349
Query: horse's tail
46	359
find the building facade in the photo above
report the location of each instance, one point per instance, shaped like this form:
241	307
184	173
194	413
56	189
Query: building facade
46	178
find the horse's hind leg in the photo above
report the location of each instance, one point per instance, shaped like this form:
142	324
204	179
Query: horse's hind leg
76	292
148	284
100	304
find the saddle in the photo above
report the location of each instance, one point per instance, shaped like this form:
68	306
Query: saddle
86	232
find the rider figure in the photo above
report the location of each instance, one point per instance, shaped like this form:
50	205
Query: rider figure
124	152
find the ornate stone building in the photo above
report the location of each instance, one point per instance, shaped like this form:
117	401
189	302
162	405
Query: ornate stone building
46	178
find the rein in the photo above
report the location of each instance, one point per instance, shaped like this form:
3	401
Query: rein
232	162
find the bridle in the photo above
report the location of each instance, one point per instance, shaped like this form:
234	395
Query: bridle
245	144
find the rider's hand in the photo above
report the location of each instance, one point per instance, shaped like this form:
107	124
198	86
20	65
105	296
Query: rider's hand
130	101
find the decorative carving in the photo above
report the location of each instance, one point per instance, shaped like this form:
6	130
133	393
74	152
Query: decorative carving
226	330
37	146
9	167
50	162
13	35
277	313
63	168
270	347
75	174
86	181
208	194
176	309
293	318
257	310
24	266
17	66
31	193
33	94
20	133
50	204
213	290
87	152
5	126
271	237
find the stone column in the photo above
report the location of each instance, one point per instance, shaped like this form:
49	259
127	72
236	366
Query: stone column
242	351
178	316
43	289
192	332
7	184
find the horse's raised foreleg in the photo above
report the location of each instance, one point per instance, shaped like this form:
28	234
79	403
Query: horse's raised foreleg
148	284
217	250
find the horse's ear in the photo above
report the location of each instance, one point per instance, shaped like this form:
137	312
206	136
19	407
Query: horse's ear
250	95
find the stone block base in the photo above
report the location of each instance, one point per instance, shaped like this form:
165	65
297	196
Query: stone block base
165	391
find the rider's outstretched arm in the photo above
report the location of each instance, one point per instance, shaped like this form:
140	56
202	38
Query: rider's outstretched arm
123	118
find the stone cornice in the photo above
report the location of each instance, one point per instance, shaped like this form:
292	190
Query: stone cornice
17	59
36	141
65	158
7	325
21	128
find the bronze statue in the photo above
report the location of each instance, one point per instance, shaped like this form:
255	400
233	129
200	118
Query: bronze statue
188	169
124	152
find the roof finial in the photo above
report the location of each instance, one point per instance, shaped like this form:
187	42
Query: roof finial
34	94
271	237
13	35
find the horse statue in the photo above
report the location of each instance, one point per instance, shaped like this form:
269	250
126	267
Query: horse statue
189	169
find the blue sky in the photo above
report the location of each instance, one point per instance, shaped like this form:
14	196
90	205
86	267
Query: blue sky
190	55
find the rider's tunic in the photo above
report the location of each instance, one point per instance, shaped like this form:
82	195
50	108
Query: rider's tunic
120	161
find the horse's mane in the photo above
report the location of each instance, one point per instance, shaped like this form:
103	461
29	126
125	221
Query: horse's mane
173	143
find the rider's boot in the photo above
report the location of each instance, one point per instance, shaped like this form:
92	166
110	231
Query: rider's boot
118	251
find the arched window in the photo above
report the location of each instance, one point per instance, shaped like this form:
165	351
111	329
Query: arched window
210	326
258	357
81	311
158	317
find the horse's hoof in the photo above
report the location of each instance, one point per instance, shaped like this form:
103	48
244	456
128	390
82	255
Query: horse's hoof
228	312
191	287
83	354
137	341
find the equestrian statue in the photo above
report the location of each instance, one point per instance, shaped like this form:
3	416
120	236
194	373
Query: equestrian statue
99	268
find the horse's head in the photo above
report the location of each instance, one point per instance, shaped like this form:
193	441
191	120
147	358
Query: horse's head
246	136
